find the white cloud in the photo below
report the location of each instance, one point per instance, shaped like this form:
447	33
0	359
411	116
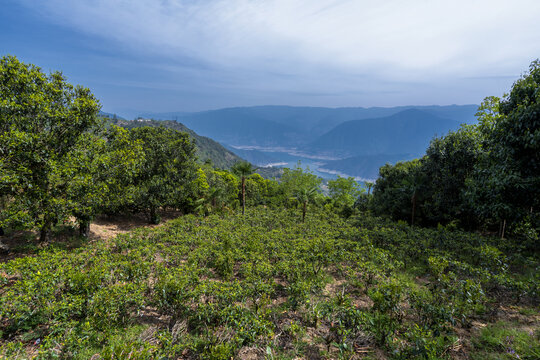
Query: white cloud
350	35
369	42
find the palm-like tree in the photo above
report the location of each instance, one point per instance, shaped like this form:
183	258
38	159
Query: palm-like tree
243	169
369	185
304	195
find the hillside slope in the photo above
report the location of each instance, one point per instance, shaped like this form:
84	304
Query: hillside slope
207	149
242	287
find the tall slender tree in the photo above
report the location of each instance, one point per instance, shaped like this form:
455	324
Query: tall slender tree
369	185
243	169
304	195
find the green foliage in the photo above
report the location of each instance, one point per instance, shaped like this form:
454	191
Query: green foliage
396	188
111	306
102	170
223	190
167	175
43	120
297	178
434	186
486	174
243	169
503	341
345	192
425	344
304	195
213	287
448	163
507	177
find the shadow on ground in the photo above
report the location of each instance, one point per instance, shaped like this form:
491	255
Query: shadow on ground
66	236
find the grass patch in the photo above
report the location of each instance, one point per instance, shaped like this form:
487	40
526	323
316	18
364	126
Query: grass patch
505	340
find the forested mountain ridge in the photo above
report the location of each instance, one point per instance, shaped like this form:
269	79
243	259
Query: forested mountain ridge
109	115
207	149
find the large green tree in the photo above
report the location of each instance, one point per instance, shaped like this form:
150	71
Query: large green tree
42	121
448	163
101	173
223	188
400	191
166	176
505	185
297	178
344	191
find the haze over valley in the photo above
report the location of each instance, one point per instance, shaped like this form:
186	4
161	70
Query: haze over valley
330	141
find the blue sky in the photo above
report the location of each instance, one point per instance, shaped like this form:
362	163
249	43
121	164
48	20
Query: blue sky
190	55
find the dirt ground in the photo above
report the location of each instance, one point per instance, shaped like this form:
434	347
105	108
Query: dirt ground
25	243
105	227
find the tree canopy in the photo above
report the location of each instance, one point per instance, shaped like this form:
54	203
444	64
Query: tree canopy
43	120
486	174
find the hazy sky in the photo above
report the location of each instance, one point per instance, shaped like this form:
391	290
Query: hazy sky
189	55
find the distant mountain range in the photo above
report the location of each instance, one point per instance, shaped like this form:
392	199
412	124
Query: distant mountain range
291	126
407	132
358	140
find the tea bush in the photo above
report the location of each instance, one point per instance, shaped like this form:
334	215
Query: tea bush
219	286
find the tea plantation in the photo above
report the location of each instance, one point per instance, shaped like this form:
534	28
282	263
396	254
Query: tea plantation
266	285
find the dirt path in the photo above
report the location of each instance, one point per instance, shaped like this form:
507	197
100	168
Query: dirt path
105	227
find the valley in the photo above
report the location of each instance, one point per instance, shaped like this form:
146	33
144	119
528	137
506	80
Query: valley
346	141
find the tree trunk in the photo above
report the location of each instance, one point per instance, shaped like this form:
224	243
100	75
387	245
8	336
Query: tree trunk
243	195
503	229
3	248
84	228
413	200
154	219
304	211
45	232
